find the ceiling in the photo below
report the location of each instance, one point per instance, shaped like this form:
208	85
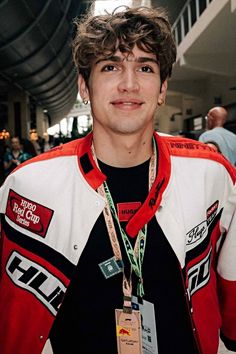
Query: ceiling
35	53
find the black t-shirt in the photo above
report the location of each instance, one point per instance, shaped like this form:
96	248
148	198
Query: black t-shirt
86	320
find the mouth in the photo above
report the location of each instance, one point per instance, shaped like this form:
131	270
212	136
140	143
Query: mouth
127	103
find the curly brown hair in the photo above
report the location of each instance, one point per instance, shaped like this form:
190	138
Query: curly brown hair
102	35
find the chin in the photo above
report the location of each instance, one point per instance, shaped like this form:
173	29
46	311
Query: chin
127	130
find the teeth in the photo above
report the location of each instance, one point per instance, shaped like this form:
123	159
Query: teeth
129	103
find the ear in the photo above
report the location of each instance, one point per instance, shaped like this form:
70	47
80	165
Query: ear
83	89
162	95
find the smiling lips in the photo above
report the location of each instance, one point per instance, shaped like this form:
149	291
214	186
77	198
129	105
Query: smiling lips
128	104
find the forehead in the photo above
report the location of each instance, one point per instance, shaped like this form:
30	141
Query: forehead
136	54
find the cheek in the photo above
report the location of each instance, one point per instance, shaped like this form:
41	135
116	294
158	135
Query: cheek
99	90
154	97
154	91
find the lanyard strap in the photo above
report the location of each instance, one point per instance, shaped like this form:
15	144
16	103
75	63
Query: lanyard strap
135	255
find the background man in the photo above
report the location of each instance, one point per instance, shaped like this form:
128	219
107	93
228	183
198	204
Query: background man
223	139
122	223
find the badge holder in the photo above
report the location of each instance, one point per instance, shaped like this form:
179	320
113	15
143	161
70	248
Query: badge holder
128	326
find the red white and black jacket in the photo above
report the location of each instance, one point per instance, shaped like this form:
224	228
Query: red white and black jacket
49	206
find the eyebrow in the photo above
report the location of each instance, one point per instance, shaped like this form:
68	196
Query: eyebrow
118	59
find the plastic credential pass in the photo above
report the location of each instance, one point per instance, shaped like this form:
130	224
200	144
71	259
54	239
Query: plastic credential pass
149	337
128	332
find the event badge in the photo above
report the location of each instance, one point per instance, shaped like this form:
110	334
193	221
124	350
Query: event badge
111	267
149	337
128	332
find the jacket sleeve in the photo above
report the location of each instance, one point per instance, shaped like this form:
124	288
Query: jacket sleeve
227	274
4	190
2	211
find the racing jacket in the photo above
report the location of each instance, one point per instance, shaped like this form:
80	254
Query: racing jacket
49	206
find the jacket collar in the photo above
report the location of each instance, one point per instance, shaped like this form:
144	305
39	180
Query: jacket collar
95	178
87	165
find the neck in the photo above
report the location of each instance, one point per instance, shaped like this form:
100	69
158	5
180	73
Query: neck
123	151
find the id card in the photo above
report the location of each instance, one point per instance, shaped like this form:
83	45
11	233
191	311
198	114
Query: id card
149	337
110	267
128	332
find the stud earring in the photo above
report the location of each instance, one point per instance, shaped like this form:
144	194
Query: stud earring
85	101
160	102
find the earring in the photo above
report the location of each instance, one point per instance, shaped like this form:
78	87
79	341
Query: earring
85	101
160	102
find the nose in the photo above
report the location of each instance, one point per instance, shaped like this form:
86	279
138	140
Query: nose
128	81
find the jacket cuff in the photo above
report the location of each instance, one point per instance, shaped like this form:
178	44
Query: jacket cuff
229	343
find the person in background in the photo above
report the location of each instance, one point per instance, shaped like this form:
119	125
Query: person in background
15	156
123	224
28	146
37	142
216	136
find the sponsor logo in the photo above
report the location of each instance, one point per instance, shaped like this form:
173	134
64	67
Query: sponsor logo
28	214
199	274
124	331
32	277
152	201
211	212
198	233
189	146
127	210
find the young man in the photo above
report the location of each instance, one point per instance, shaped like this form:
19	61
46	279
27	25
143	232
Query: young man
222	139
125	252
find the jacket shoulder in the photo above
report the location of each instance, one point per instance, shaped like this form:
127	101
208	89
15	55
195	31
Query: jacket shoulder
68	149
190	148
184	147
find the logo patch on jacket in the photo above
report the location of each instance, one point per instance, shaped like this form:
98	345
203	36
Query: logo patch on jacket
199	232
211	212
32	277
127	210
28	214
199	274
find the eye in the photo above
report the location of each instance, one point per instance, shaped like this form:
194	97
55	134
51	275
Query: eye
109	67
146	69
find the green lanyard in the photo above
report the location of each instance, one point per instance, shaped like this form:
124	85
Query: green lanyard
135	255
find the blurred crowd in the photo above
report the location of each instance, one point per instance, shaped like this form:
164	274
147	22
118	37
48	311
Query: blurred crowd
14	151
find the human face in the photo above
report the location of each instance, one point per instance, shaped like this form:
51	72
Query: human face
15	144
124	92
